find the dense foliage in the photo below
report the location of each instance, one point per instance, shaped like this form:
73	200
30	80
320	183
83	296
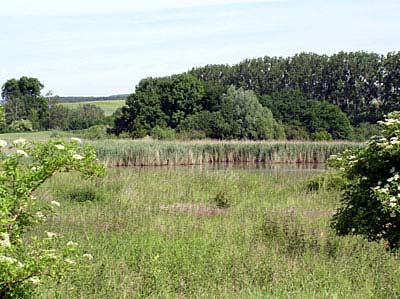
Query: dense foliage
241	116
293	108
23	101
25	261
364	85
313	96
178	102
371	199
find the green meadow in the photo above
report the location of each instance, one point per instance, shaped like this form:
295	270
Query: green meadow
201	232
108	107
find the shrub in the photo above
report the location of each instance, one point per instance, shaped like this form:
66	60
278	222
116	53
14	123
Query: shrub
322	136
370	202
191	135
222	200
25	262
163	133
296	133
329	180
22	125
95	133
364	131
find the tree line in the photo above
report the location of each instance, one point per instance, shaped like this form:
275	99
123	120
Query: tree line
364	85
305	96
310	96
26	109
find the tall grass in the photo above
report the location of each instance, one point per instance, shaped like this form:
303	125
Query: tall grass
156	153
273	241
148	152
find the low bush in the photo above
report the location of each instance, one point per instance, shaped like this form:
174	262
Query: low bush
329	180
26	262
371	200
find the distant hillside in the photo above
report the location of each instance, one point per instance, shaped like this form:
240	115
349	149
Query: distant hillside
108	106
118	97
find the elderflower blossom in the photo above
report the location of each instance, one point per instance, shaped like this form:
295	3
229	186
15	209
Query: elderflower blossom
40	216
51	235
69	261
55	203
72	244
394	140
5	240
75	139
19	141
3	143
88	256
393	202
21	152
7	259
59	146
393	178
34	280
77	157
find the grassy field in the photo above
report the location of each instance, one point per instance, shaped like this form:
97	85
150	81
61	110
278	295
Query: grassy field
108	106
43	135
158	233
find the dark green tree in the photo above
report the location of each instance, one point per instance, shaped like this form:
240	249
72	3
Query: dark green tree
22	100
245	117
294	109
85	116
162	102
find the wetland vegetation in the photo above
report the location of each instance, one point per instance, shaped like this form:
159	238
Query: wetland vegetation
159	233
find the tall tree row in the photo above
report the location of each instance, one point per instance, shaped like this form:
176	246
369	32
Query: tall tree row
364	85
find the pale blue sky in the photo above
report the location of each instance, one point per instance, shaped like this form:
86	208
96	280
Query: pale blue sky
103	47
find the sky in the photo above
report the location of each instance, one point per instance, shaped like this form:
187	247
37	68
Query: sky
103	47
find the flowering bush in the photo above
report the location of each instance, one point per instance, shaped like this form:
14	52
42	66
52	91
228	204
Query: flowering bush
26	262
371	198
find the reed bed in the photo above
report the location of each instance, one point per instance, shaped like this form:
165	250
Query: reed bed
159	153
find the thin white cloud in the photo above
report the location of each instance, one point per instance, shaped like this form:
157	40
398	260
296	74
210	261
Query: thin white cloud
95	54
76	7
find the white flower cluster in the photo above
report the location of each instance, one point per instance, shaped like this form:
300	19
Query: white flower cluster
88	256
19	142
389	193
55	203
51	235
3	143
59	146
5	240
40	216
75	139
34	280
72	244
77	157
22	153
10	260
383	142
389	122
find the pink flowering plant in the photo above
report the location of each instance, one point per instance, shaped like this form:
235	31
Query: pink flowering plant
371	198
26	262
